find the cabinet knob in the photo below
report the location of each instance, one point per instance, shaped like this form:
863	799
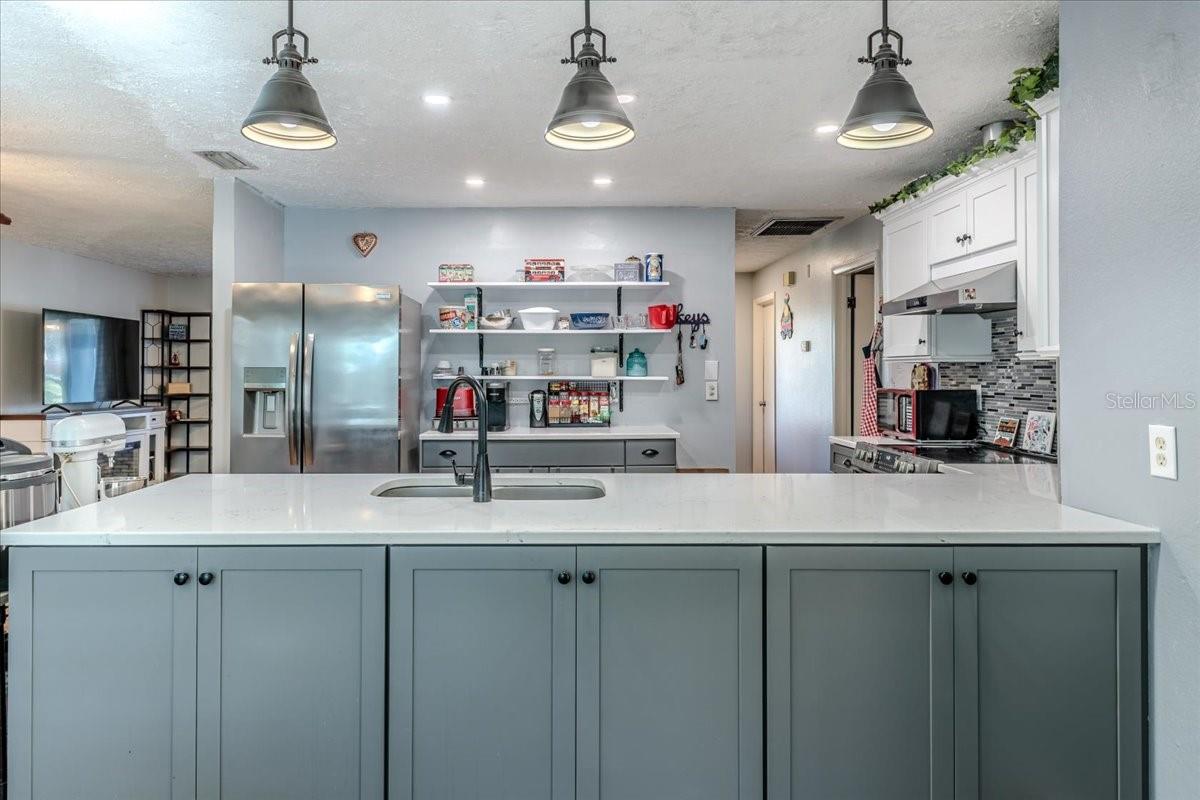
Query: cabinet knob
966	237
448	453
205	578
1020	333
946	578
180	578
649	452
587	576
958	239
564	577
970	578
920	341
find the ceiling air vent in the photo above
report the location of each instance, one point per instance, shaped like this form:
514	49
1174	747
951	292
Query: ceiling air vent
793	227
223	159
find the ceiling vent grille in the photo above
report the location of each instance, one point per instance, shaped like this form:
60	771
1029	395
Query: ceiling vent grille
223	159
793	227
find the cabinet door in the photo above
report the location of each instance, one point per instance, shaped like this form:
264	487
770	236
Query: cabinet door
1028	264
102	670
992	211
670	673
948	225
1048	127
1048	661
482	673
291	673
905	267
860	697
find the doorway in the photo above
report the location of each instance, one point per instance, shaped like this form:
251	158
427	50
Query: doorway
762	428
855	297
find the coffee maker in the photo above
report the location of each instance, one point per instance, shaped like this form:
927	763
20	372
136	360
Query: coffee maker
496	394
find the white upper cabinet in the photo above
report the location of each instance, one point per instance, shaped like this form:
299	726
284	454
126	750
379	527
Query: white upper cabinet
947	228
1048	124
1028	295
906	266
991	212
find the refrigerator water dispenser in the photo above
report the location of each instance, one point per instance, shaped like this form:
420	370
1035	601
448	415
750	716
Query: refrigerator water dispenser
265	390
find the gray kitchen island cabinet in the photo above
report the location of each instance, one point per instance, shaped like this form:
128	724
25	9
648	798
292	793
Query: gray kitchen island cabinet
563	672
177	672
967	672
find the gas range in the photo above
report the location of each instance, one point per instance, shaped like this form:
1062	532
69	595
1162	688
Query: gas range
923	458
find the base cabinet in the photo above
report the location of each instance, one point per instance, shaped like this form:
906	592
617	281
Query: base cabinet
229	673
562	672
966	673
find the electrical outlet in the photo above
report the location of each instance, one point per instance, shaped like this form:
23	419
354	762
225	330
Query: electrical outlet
1163	462
710	390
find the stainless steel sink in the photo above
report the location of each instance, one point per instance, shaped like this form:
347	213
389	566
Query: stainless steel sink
574	489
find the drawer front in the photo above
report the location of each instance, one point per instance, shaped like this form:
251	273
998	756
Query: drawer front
651	469
650	452
463	453
554	454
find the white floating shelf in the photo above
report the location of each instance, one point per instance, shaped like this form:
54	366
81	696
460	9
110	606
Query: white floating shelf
548	284
510	332
551	378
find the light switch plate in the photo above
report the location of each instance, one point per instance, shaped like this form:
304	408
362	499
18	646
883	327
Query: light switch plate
710	390
711	370
1163	458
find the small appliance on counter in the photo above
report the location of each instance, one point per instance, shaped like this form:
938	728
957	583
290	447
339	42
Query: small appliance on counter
496	394
936	414
537	409
28	484
918	458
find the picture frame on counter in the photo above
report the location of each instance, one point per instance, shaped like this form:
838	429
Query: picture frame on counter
1039	432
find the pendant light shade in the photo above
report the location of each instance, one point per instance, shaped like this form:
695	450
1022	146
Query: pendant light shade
288	113
589	116
885	112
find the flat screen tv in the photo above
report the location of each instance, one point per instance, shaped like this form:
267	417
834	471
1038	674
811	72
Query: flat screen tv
87	358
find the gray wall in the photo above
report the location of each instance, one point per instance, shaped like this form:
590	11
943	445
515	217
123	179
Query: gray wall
33	278
697	245
247	247
1130	316
804	381
743	318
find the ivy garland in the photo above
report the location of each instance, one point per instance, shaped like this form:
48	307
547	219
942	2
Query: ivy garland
1028	84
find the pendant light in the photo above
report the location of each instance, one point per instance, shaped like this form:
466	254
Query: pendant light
885	112
288	113
589	116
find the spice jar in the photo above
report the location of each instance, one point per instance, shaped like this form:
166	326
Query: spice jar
547	361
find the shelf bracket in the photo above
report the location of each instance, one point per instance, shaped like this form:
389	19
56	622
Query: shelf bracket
621	350
619	300
478	314
615	387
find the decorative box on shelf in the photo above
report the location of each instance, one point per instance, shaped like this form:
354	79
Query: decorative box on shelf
545	270
456	273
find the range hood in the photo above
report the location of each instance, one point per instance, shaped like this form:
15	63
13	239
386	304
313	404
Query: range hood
974	292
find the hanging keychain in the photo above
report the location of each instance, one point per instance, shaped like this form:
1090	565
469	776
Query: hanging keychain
703	337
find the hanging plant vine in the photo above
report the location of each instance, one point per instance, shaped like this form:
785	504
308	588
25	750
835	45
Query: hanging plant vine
1027	84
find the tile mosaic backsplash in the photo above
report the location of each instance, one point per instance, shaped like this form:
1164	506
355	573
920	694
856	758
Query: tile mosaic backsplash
1009	386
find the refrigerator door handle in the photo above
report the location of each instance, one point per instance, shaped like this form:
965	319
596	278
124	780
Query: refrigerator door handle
306	399
289	401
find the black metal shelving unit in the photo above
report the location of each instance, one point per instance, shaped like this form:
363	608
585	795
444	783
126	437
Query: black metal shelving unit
185	453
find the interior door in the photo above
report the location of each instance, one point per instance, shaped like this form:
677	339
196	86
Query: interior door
948	225
669	673
105	704
291	662
267	319
992	209
763	395
350	378
862	325
482	673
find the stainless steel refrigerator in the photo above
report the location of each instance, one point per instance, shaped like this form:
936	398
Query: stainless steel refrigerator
324	378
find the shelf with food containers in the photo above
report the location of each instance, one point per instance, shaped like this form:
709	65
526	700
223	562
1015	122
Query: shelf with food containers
611	364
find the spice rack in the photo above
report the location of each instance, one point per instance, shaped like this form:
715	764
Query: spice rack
544	286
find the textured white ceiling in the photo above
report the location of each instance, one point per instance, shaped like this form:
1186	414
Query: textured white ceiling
102	103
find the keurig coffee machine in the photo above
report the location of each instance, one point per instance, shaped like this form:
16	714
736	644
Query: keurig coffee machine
496	393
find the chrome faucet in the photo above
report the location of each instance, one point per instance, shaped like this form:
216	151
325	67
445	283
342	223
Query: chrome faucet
482	483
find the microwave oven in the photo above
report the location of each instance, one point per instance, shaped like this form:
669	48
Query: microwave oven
928	414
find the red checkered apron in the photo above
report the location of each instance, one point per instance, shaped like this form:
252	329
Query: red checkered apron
868	415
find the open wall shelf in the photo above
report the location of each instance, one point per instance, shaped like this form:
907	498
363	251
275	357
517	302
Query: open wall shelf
550	285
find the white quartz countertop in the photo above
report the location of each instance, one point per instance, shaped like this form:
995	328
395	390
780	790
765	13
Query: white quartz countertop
995	507
561	434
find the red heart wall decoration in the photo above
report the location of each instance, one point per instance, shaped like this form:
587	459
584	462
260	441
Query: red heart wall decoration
365	242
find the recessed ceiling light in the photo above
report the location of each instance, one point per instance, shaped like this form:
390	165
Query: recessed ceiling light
473	181
434	99
626	98
827	128
601	180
